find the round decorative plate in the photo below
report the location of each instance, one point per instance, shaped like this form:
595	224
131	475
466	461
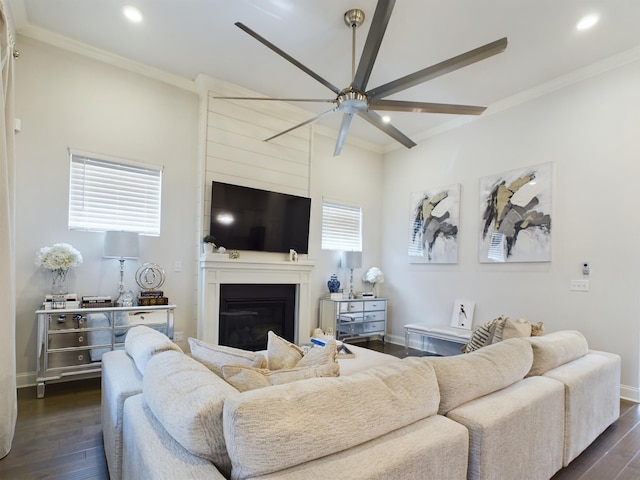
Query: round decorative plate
150	276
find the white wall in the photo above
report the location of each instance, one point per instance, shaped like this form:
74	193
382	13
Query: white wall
66	100
589	131
355	178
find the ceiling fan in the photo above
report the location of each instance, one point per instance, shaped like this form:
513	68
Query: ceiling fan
356	99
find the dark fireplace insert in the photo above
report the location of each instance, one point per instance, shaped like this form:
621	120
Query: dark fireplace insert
249	311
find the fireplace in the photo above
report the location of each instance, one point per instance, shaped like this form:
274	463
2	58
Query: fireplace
249	311
216	273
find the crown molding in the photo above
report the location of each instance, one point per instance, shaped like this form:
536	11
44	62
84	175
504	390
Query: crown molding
74	46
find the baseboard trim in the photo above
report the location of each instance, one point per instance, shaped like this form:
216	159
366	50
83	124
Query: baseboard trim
26	379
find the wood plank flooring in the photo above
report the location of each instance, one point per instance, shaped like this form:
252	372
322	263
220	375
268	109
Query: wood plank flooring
60	436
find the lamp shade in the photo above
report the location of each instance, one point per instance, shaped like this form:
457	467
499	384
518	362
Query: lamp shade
351	259
120	245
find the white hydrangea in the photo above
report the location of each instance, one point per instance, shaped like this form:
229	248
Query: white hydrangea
374	275
60	256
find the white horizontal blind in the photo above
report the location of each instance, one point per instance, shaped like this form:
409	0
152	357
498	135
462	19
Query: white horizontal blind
114	195
341	227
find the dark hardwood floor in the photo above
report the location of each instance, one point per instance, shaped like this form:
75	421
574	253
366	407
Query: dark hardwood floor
60	436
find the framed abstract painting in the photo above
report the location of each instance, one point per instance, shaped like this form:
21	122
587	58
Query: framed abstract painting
433	226
515	216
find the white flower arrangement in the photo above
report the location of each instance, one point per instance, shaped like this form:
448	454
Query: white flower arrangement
58	257
374	275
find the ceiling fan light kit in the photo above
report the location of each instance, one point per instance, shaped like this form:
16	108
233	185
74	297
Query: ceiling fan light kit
357	100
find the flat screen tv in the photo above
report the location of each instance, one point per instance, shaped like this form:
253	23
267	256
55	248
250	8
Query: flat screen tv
244	218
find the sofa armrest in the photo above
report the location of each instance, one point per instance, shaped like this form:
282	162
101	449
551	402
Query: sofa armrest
120	380
150	452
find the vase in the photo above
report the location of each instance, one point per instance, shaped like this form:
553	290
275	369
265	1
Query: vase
59	281
333	284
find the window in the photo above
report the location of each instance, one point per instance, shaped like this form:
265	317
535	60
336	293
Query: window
113	194
341	227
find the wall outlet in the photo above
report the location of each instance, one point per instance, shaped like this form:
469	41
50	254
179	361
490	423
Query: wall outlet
178	336
579	285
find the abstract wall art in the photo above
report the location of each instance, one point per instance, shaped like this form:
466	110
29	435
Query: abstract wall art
433	226
515	216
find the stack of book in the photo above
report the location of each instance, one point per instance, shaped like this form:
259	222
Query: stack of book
152	297
97	301
65	300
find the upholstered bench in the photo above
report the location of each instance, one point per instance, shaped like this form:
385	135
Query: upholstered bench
449	334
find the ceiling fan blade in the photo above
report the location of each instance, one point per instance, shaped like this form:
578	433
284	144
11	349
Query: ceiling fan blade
374	39
289	58
321	100
306	122
342	135
434	71
424	107
376	120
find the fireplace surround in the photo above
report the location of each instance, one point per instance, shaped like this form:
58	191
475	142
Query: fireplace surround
216	271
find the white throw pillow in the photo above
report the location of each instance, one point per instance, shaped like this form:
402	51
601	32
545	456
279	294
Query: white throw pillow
247	378
281	353
214	357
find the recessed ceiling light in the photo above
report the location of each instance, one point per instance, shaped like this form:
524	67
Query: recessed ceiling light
132	13
386	119
587	22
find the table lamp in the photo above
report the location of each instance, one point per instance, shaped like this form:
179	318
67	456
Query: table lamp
351	260
121	245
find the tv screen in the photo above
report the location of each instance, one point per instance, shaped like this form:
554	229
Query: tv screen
244	218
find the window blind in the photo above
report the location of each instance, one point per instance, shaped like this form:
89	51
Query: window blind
114	195
341	227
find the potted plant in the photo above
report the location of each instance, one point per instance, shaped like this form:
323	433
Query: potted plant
209	242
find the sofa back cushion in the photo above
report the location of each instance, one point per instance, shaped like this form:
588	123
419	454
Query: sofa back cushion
187	399
463	378
142	343
274	428
555	349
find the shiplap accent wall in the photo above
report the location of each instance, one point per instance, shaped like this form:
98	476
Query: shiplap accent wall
234	150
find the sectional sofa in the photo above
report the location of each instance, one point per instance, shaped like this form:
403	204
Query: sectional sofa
521	408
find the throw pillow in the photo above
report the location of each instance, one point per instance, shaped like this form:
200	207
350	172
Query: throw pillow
521	328
537	329
318	355
214	357
247	378
483	335
497	335
282	353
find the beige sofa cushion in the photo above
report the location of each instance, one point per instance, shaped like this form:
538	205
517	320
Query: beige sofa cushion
463	378
143	342
555	349
214	357
247	378
271	429
187	399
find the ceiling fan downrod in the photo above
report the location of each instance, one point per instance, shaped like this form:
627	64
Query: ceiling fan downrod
353	19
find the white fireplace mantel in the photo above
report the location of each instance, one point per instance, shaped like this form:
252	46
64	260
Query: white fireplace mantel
215	271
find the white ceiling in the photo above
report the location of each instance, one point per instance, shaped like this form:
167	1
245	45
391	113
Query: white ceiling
188	37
